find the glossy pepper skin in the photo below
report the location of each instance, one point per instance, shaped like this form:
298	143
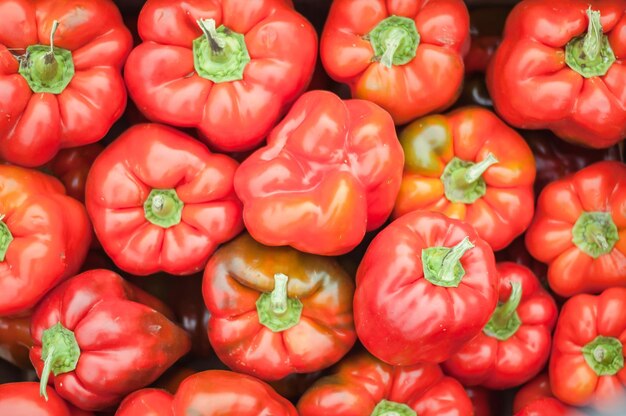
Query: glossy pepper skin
210	393
65	97
102	338
232	81
44	237
482	400
537	388
23	399
404	56
330	172
470	166
361	385
276	311
426	286
71	166
579	230
515	344
560	67
547	406
587	361
15	340
160	201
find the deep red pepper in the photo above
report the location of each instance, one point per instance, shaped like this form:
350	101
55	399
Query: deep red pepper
515	344
482	400
71	166
486	26
102	338
23	399
15	340
418	288
537	388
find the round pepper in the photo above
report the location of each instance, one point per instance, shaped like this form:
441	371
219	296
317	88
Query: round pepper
102	338
146	402
587	361
330	172
160	201
276	311
560	67
515	344
405	56
580	230
361	385
418	288
61	84
537	388
23	399
229	68
471	166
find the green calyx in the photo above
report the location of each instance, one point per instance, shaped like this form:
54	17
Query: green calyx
59	352
276	310
595	233
163	208
394	41
590	54
5	238
463	181
442	265
219	55
604	355
504	321
47	69
388	408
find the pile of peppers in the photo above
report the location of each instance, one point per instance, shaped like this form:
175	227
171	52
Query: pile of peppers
312	207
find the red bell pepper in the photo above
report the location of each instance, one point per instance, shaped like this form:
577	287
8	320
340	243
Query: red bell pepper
579	230
419	288
15	341
61	84
406	56
537	388
210	393
547	406
102	338
71	166
23	399
331	171
229	68
471	166
486	26
515	344
275	311
362	385
160	201
587	361
44	237
517	252
482	400
560	67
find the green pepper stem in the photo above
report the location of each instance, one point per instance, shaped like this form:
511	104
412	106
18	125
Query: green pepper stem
593	39
55	26
453	257
505	312
475	172
604	355
595	232
5	238
60	353
278	297
391	46
210	31
45	373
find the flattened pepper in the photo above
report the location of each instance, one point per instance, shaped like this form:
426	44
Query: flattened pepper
330	172
361	385
276	311
230	68
470	166
405	56
102	338
44	237
560	67
515	344
580	230
160	201
426	286
60	80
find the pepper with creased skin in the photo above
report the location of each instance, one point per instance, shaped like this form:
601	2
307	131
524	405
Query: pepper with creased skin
406	56
161	201
229	68
98	338
470	166
579	230
276	311
426	286
23	399
587	361
361	385
560	67
61	83
515	344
